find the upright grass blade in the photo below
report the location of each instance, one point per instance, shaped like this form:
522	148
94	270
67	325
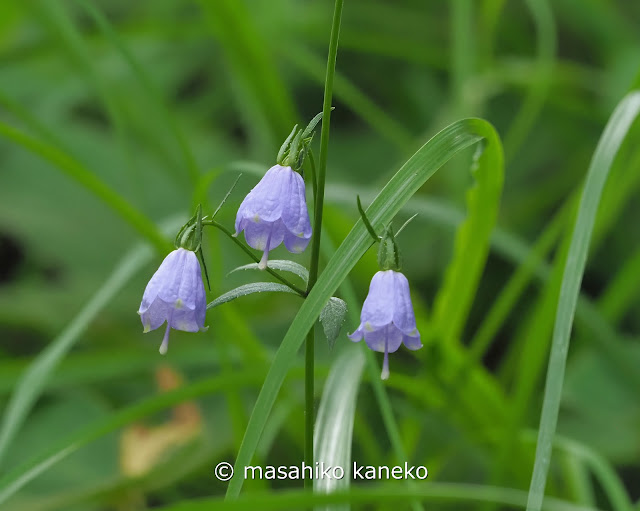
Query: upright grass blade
112	35
406	182
57	18
605	473
471	247
256	74
462	52
612	137
345	90
539	86
334	422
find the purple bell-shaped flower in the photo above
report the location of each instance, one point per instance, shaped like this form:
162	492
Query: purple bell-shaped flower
175	294
387	319
275	210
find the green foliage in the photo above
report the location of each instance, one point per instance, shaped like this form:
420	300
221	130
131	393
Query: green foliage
115	115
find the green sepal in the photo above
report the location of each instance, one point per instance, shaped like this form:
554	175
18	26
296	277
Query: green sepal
294	149
184	232
388	253
285	146
189	237
366	222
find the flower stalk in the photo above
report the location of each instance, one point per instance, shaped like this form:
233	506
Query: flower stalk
317	227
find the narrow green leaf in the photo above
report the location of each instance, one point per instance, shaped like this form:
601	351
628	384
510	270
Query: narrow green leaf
605	473
279	264
612	137
39	371
541	78
471	247
83	176
35	377
332	317
248	289
145	80
407	181
15	479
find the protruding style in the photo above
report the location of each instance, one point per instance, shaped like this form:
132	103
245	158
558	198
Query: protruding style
275	210
175	294
387	319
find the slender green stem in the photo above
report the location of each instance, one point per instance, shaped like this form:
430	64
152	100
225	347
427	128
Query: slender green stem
317	228
312	174
282	279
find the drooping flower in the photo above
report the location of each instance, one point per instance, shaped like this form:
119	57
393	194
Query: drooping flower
275	210
387	319
175	294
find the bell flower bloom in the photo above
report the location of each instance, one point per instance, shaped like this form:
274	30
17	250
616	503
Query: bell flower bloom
175	293
275	210
387	319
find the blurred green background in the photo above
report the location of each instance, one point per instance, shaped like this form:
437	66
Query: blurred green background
165	101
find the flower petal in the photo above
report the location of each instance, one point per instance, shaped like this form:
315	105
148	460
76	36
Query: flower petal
412	342
258	234
295	215
387	334
377	309
265	201
295	243
357	335
178	294
403	316
185	320
171	273
191	288
160	278
155	315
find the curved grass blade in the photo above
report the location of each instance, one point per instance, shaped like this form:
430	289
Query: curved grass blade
471	248
11	482
38	372
406	182
248	289
612	137
36	375
279	264
83	176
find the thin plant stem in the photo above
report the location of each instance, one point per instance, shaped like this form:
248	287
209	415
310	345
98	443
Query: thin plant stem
312	174
317	229
282	279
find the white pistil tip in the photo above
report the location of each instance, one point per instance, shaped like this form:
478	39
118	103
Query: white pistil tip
165	341
263	262
385	373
